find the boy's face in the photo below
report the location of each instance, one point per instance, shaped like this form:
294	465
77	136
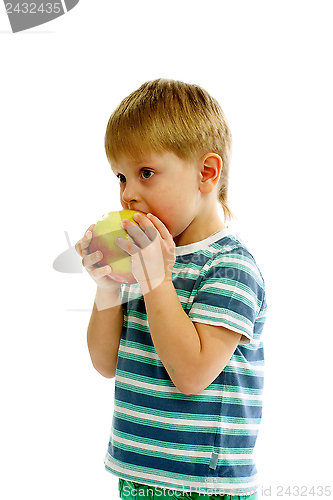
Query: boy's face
165	186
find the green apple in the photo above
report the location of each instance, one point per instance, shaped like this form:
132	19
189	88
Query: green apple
103	238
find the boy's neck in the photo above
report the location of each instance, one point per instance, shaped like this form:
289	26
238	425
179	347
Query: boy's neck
200	229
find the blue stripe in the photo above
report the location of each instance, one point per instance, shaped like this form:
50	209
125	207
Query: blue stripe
204	410
185	468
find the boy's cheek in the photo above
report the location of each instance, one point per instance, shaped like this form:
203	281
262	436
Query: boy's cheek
165	213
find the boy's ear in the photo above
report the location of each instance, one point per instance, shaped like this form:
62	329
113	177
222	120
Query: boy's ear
211	165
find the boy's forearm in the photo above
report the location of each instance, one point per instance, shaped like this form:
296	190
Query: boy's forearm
104	331
174	335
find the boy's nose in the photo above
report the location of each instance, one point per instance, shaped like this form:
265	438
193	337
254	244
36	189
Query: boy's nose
130	194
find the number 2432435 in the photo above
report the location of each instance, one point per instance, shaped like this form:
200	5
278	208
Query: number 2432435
31	8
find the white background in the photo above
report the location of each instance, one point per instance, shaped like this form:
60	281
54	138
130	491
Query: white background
269	64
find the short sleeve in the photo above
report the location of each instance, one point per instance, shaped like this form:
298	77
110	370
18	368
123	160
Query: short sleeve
230	294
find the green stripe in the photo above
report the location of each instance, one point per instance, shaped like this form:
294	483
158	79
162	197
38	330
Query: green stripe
241	267
244	371
165	444
160	382
186	428
137	345
172	475
219	321
187	416
153	453
140	358
133	324
145	379
182	446
180	458
229	293
195	397
235	388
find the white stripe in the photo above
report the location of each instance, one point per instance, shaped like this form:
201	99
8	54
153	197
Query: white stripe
180	483
246	366
187	270
235	364
213	319
217	315
170	389
134	319
234	395
145	385
256	341
154	355
181	421
139	352
225	260
168	451
230	288
178	452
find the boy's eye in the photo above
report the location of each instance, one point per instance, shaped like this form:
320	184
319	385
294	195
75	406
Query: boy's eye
121	178
146	174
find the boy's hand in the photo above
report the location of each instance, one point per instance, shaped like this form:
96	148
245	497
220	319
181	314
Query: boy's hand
98	274
153	250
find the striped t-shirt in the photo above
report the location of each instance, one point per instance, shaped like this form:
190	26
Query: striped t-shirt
202	442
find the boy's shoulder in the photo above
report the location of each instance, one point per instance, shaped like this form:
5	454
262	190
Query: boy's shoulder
225	241
230	245
224	249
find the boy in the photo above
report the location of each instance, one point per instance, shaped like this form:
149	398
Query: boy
185	342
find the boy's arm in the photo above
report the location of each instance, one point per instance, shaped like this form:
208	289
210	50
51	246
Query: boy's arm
193	354
104	331
106	320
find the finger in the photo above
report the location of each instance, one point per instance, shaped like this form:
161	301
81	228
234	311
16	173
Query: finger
146	225
82	245
91	259
99	272
126	245
159	226
136	233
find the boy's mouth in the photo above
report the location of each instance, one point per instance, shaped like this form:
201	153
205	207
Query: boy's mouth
138	210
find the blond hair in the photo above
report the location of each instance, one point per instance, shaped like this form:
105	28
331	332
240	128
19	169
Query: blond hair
170	115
